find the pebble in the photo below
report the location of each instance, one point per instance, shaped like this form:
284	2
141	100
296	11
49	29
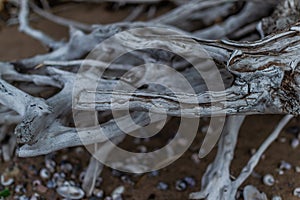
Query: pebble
295	143
268	180
276	198
297	169
162	186
45	174
296	192
70	192
180	185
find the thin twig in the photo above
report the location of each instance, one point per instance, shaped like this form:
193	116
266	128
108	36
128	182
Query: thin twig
25	27
60	20
247	170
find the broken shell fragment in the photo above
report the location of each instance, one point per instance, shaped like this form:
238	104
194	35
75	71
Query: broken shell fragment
117	193
285	165
295	143
250	193
276	198
70	192
296	192
6	181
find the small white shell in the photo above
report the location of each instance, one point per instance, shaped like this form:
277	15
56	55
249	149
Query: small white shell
44	173
7	182
296	192
268	180
276	198
117	193
295	143
70	192
50	165
280	171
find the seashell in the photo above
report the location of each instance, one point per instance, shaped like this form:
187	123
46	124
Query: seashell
268	180
70	192
153	173
6	181
280	171
81	176
51	184
23	197
117	193
162	186
44	173
50	165
126	179
285	165
35	196
250	193
66	167
99	180
276	198
297	169
296	192
41	189
98	193
190	181
20	189
180	185
295	143
36	183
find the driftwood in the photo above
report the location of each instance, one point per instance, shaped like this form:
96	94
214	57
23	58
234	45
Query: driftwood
239	78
